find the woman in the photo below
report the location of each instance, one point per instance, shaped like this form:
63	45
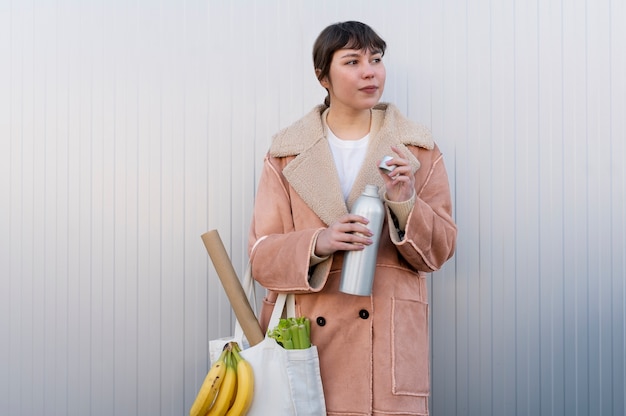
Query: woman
373	349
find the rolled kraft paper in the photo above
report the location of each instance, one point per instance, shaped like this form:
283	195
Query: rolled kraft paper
232	286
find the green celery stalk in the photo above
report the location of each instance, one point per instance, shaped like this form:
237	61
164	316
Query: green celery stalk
307	324
286	338
295	337
304	340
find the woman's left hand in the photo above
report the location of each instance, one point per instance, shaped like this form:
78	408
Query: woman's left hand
400	182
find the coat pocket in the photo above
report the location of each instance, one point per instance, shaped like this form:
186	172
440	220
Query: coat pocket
410	361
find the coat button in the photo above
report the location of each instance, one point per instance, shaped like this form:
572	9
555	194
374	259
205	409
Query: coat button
364	314
321	321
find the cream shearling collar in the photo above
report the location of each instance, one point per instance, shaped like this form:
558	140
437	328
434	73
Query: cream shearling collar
292	140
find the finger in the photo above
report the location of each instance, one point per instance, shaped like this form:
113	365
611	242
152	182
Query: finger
401	179
355	229
404	170
355	218
399	152
355	239
349	232
353	247
350	221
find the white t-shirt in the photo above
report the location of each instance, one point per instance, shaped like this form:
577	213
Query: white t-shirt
349	156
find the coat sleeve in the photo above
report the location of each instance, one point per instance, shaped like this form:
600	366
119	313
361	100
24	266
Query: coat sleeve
282	261
430	235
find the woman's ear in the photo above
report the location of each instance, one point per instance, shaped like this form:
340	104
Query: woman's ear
324	81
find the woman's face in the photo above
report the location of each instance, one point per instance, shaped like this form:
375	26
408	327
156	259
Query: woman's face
356	79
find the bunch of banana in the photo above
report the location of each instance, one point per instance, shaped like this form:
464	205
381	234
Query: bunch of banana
245	385
228	387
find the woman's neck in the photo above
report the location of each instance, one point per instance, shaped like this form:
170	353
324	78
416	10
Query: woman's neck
349	126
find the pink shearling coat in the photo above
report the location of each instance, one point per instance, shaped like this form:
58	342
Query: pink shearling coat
373	349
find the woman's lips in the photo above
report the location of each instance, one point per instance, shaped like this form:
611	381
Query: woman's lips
370	89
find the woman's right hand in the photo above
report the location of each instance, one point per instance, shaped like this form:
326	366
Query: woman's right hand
348	233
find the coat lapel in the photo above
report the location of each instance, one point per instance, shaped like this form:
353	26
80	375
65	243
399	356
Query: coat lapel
312	174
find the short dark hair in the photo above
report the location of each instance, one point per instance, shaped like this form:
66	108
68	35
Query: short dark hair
343	35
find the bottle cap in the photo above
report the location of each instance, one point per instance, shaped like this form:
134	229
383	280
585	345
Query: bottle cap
384	166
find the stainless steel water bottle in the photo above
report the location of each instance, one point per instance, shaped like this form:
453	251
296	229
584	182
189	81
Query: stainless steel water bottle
359	266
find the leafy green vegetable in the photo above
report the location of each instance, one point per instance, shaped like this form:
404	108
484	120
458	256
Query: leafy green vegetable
292	333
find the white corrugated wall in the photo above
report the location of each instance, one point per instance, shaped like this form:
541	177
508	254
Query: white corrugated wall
127	129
